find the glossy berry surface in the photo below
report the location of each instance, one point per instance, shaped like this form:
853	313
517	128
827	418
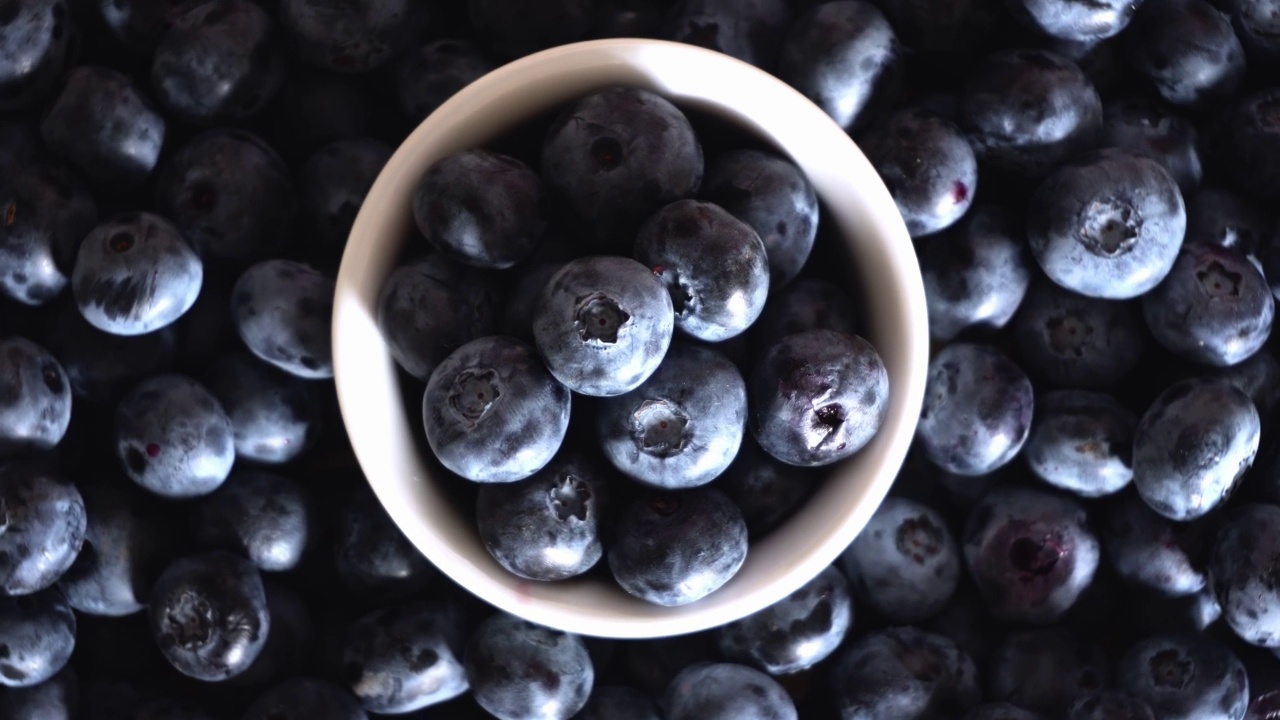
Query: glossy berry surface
47	212
904	672
1243	554
404	657
45	525
275	417
260	515
124	551
281	311
35	397
517	669
720	691
39	631
1082	442
1184	676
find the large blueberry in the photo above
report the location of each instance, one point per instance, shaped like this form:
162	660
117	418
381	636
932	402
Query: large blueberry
138	24
431	73
1185	677
101	366
405	657
795	633
1188	51
903	672
513	28
1258	27
520	670
1044	669
1149	550
125	550
38	632
1074	20
275	417
306	698
350	37
767	491
726	691
282	311
260	515
44	527
1245	553
35	397
1218	216
34	41
1145	127
1082	441
47	211
332	184
751	31
372	557
1251	143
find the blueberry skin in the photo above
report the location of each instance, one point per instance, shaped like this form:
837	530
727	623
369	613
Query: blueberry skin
275	417
531	278
34	39
221	61
372	557
1187	50
1251	142
290	644
905	564
617	702
39	631
1028	110
282	311
125	549
1144	127
795	633
977	409
492	411
805	304
513	28
749	31
928	166
1044	669
683	426
349	38
405	657
1081	441
432	73
672	549
903	672
47	212
520	670
173	437
549	526
1001	711
1256	25
1218	216
208	615
229	193
135	274
138	24
614	158
306	698
480	207
1149	550
976	273
1070	340
1193	445
726	691
1185	677
1214	307
1108	224
1243	554
842	56
102	367
771	194
103	124
332	185
1109	705
817	397
1077	21
603	325
35	397
1258	377
44	528
260	515
947	32
1031	552
765	490
54	699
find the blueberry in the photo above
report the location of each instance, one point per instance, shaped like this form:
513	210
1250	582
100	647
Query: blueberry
903	672
617	702
1001	711
290	645
1188	51
1074	20
1070	340
612	159
1031	552
1028	110
405	657
1045	669
771	194
603	325
1252	142
54	699
944	33
1109	705
173	437
976	274
282	311
1185	677
750	31
1108	224
125	549
306	698
34	41
1218	216
229	193
1244	553
817	397
44	527
221	61
726	691
432	73
1144	127
135	274
513	28
208	614
1082	441
332	184
905	564
672	549
520	670
349	37
1214	307
517	313
103	124
1149	550
39	633
806	304
1258	377
683	426
100	366
844	56
35	397
928	166
260	515
1193	445
138	24
47	212
547	527
372	557
977	409
1258	28
765	490
480	207
492	411
795	633
275	417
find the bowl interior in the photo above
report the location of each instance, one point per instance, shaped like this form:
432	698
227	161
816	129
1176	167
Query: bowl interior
855	202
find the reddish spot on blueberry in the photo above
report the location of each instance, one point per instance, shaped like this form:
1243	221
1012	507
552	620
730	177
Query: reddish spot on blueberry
153	450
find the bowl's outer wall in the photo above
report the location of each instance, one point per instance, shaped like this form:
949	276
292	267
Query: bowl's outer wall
854	199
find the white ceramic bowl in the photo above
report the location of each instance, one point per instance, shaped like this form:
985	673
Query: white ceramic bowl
854	199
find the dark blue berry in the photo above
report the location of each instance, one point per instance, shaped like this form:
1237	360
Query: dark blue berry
520	670
903	672
766	490
282	311
1188	51
1218	216
1252	143
275	417
726	691
750	31
54	699
1081	21
306	698
101	366
1149	550
34	41
38	632
260	515
928	166
35	397
47	211
1045	669
44	527
372	557
1082	441
1258	27
332	184
125	549
405	657
314	108
138	24
1185	677
290	645
1074	341
349	37
1244	554
432	73
1144	127
806	304
531	279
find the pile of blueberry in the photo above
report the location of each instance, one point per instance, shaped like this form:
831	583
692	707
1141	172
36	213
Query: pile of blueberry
1088	527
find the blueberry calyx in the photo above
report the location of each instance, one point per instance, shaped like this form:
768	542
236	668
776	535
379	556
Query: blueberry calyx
569	498
599	317
191	618
827	419
1033	557
660	428
1067	334
919	538
1170	669
681	295
1218	281
474	391
1111	228
607	152
121	242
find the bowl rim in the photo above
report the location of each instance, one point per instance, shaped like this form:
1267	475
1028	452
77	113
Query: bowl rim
381	440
